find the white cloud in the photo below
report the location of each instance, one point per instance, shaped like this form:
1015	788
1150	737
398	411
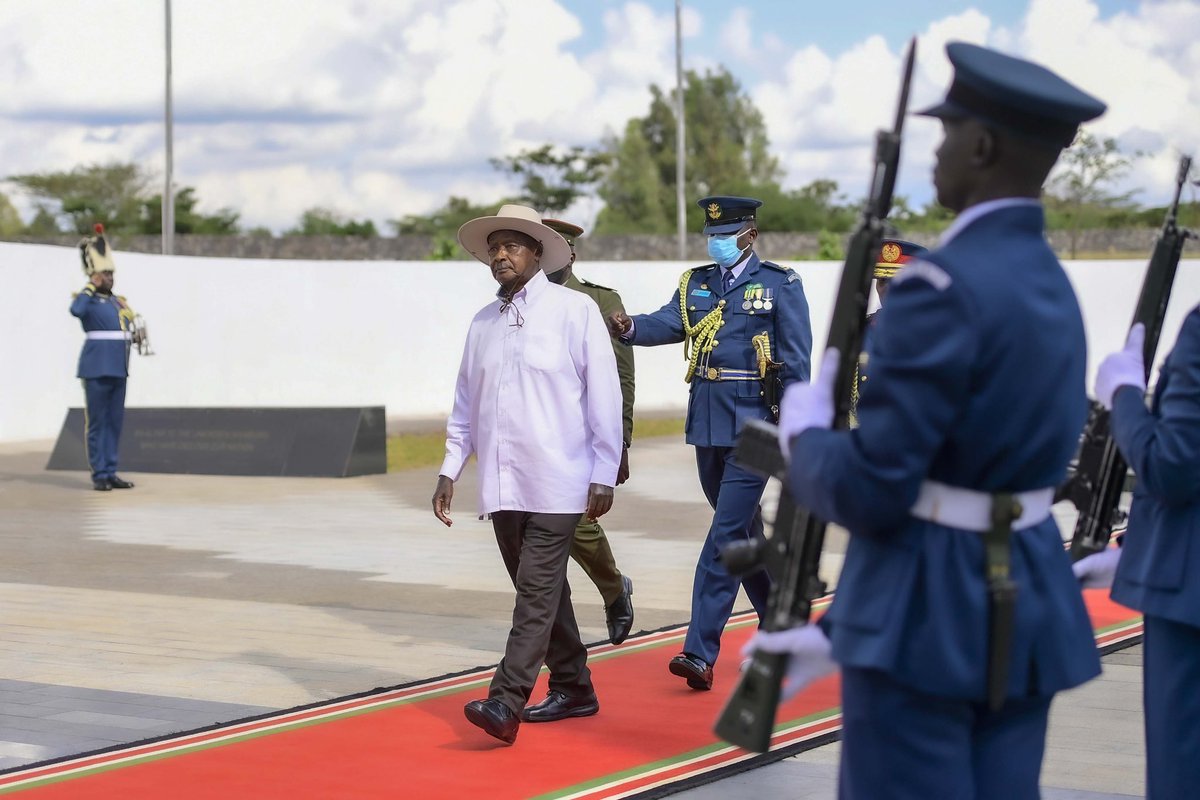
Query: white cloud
823	110
385	107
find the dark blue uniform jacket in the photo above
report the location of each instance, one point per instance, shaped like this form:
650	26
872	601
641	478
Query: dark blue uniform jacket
977	381
1158	571
101	358
718	409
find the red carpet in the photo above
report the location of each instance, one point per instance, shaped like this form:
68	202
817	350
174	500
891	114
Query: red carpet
652	732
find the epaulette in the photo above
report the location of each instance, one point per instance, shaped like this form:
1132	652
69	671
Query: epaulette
596	285
792	275
703	266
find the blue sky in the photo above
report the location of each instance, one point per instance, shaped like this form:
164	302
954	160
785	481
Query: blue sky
832	25
381	108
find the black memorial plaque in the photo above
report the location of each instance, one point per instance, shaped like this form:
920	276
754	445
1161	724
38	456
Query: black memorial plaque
308	442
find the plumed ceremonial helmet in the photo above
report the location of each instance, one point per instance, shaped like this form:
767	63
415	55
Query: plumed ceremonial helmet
96	254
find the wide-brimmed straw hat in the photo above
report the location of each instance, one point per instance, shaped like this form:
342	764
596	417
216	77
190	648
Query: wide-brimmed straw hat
473	235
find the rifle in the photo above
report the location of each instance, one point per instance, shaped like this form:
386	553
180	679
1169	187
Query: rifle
792	554
1095	488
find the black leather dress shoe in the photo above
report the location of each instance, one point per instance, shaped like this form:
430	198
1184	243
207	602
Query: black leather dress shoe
494	717
558	706
119	483
699	674
101	484
619	614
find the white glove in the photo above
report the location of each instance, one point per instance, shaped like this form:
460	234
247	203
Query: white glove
808	405
1097	570
1123	368
810	654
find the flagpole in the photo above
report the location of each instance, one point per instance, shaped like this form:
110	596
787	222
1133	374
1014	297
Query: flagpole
680	141
168	198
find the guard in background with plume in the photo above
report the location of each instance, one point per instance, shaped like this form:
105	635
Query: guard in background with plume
107	320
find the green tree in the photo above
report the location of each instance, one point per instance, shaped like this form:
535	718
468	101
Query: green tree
109	193
815	207
726	147
44	223
444	221
10	220
553	179
442	225
328	222
1079	195
633	192
932	218
187	218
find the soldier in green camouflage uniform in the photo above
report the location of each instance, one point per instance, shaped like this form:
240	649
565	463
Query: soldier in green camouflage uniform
590	548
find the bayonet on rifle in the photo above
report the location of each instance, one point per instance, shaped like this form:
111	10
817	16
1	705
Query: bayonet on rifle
793	552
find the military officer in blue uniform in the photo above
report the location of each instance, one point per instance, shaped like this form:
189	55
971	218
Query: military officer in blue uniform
107	320
976	400
893	254
743	321
1159	561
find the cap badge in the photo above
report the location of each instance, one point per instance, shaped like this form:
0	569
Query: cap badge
891	252
714	210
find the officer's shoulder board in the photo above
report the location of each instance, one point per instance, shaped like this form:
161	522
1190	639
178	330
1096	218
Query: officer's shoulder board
703	267
591	285
788	271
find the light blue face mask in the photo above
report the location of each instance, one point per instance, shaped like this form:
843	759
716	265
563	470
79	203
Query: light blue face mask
724	250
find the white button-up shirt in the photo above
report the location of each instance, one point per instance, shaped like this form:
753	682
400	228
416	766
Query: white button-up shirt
538	403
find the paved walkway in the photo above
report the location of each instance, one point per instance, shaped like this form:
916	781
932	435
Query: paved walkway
192	600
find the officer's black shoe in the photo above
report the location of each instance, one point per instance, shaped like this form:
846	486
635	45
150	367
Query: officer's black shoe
558	706
699	674
119	483
101	484
619	614
495	718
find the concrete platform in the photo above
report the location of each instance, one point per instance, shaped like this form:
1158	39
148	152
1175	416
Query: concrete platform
192	600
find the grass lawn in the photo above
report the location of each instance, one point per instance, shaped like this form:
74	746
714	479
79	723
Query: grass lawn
415	450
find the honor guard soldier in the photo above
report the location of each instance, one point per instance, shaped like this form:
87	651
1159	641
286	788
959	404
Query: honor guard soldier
746	333
591	549
107	323
1159	560
893	254
957	618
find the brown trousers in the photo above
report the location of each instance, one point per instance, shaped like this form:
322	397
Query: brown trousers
535	550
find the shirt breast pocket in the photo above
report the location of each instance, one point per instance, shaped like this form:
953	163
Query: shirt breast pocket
544	352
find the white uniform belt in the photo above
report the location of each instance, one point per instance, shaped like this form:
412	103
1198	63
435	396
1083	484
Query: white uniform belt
109	335
726	374
971	510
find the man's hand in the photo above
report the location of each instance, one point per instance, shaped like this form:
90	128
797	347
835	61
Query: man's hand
808	405
618	323
810	655
1097	570
442	496
600	499
1123	368
623	470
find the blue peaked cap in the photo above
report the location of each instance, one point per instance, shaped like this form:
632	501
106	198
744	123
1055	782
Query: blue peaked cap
727	214
1019	96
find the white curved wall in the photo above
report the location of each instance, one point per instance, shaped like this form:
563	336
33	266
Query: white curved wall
233	332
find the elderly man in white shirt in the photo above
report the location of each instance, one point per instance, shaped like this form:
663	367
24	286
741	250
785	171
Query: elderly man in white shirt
538	402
